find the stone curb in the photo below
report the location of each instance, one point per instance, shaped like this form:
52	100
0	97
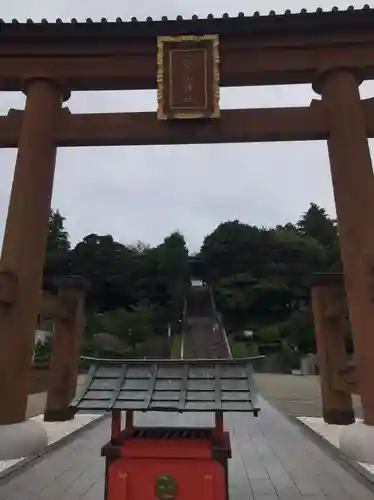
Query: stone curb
19	467
355	469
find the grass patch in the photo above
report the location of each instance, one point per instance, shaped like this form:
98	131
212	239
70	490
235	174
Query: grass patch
176	347
243	350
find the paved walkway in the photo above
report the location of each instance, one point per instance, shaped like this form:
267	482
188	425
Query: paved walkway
272	460
296	395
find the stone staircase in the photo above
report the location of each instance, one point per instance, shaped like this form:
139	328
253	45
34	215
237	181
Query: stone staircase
203	337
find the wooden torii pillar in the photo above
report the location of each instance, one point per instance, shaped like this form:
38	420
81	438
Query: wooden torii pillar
353	184
25	237
328	302
69	314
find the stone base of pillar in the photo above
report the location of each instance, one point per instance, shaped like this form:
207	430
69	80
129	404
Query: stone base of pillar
357	442
25	439
58	415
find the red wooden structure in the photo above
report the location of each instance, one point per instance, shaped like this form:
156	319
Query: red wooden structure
333	51
338	371
167	463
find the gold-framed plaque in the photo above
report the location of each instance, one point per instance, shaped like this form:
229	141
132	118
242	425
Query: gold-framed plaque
188	83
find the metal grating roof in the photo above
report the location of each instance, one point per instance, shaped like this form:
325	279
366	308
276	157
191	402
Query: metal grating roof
168	385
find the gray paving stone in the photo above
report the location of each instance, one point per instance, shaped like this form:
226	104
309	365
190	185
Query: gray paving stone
332	490
262	487
279	477
272	460
291	493
307	486
240	492
261	496
96	492
256	472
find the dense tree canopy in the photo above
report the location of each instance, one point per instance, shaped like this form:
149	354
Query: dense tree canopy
260	276
135	289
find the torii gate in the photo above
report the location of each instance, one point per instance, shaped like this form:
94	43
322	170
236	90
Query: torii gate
334	51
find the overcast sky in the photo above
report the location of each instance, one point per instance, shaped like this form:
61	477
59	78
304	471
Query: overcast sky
144	193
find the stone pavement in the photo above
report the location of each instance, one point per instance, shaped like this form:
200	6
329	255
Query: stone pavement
296	395
272	460
55	432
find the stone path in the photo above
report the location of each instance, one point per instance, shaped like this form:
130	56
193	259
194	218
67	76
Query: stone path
272	460
203	337
296	395
331	434
55	432
204	340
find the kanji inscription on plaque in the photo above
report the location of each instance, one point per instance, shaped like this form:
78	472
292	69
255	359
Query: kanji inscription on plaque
188	77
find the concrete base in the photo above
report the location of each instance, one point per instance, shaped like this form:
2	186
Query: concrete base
357	442
25	439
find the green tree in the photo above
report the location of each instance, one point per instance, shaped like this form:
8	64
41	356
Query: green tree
295	256
58	237
174	266
299	331
317	224
57	251
261	276
110	268
163	275
234	248
130	326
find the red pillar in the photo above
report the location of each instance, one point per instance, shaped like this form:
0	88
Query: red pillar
22	256
352	178
69	326
328	312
